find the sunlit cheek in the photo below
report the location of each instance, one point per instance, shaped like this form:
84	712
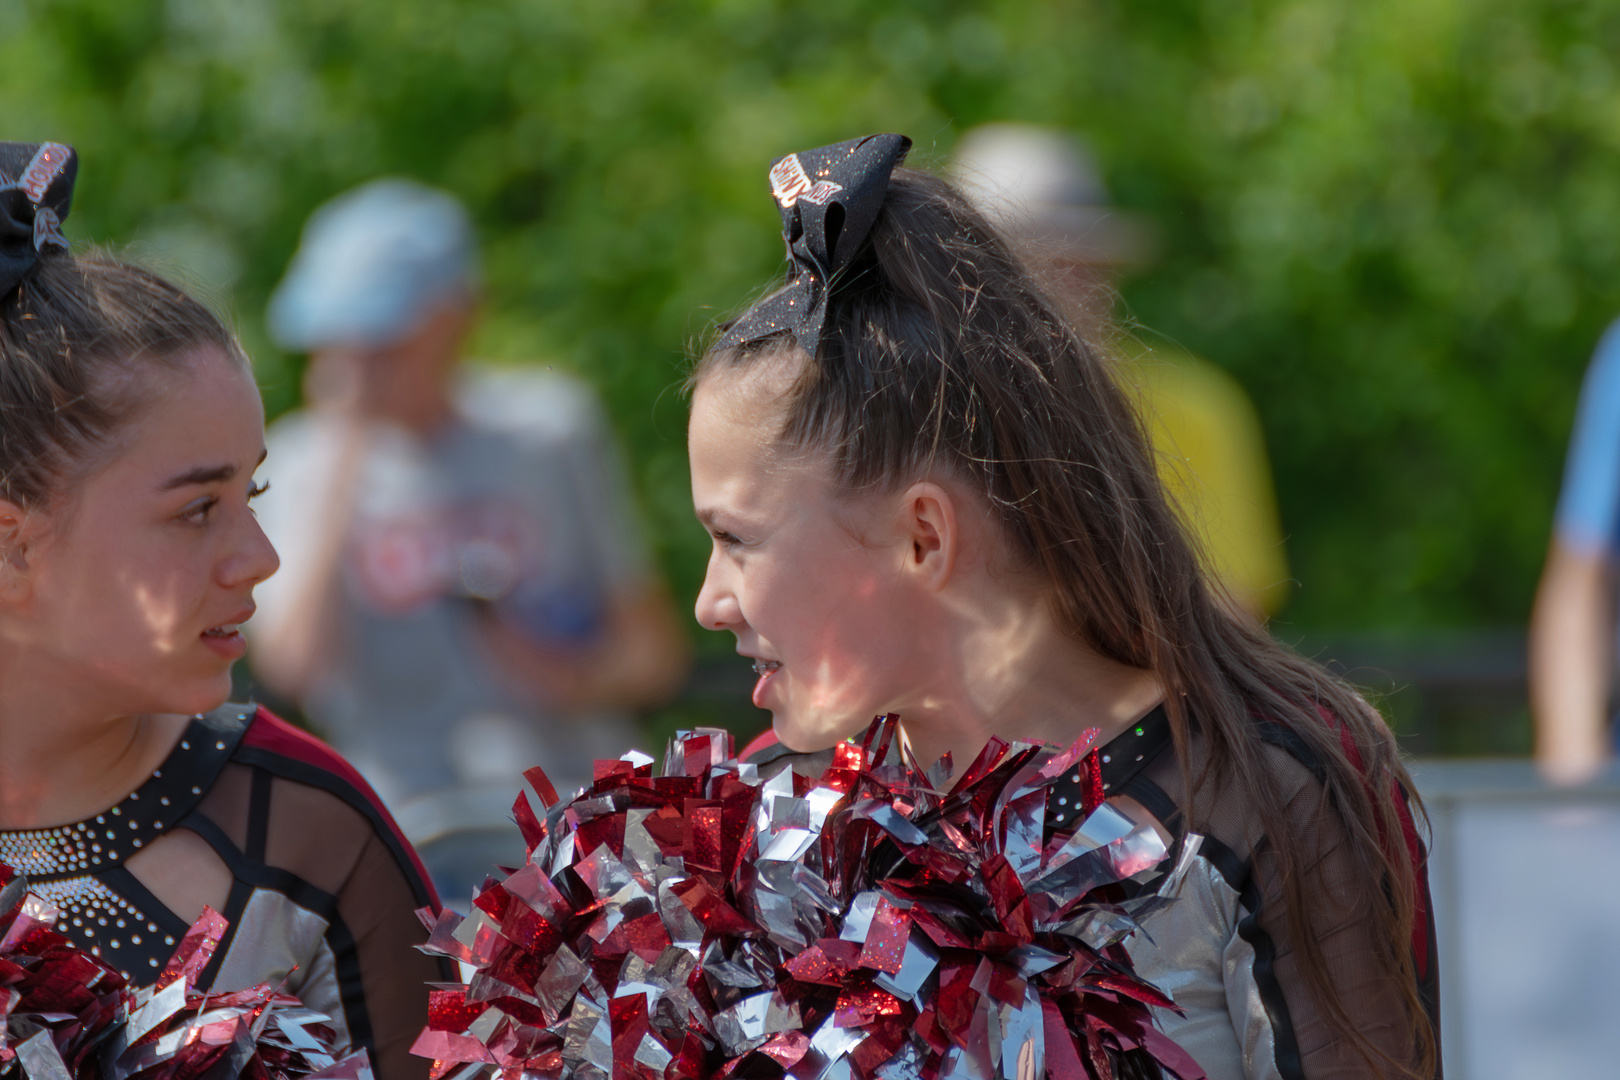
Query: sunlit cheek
127	624
159	614
835	691
846	686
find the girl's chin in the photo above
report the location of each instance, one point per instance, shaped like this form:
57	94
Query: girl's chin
808	737
201	696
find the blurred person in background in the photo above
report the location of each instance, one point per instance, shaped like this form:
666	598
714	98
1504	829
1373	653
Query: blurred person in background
1572	627
463	591
1043	189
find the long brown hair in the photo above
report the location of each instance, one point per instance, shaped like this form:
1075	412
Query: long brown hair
942	350
79	339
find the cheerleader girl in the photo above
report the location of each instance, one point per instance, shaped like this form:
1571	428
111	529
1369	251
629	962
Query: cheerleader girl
130	796
927	497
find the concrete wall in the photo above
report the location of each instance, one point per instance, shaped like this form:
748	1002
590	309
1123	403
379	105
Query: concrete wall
1526	884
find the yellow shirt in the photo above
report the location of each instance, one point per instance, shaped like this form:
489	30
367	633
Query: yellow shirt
1212	459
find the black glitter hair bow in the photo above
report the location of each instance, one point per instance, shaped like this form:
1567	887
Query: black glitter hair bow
36	190
829	198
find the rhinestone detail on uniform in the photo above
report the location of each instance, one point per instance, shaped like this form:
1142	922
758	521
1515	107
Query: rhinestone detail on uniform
69	865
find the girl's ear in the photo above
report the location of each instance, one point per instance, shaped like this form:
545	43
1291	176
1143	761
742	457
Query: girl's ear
929	524
17	530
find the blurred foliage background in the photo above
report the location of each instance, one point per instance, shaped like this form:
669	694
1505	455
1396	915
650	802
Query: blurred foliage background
1397	222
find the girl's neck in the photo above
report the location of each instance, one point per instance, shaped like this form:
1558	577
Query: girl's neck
62	761
1019	677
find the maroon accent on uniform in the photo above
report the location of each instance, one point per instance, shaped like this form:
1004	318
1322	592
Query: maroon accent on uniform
763	741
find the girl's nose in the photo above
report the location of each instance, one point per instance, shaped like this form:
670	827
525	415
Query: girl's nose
717	607
254	559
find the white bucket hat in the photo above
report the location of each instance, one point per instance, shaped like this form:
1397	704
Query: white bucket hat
1043	186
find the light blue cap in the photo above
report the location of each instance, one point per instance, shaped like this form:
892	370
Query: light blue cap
371	263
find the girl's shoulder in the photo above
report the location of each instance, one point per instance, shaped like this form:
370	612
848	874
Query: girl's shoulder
1142	763
299	787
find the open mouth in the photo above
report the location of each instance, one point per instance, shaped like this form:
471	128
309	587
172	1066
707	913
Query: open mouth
765	667
226	639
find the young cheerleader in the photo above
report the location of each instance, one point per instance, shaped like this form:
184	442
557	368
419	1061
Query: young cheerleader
927	497
130	429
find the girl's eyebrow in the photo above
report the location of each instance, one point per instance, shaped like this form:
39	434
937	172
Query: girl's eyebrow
715	518
205	474
202	474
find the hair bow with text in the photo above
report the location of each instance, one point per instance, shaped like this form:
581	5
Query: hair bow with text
36	190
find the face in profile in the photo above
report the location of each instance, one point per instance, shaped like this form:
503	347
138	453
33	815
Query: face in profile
810	583
132	586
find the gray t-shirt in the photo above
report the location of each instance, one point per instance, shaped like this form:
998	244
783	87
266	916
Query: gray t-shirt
521	505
